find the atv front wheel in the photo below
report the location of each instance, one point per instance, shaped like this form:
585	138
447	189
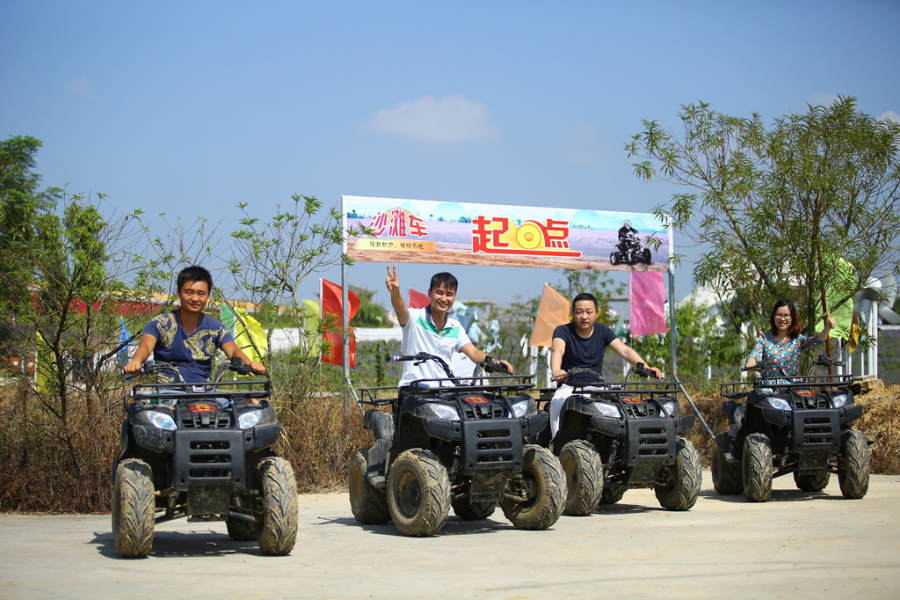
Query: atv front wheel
681	484
544	496
418	493
584	477
812	482
614	258
241	530
646	255
853	469
276	532
133	508
467	510
757	467
727	478
368	503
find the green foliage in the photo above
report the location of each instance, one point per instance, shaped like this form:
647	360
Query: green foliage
369	314
776	207
701	342
598	283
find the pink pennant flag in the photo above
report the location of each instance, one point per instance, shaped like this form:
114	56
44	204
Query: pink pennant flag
648	303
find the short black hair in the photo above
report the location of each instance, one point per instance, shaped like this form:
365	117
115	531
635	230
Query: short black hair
194	273
443	279
582	297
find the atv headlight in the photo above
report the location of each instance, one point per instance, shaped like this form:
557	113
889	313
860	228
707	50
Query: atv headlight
779	403
249	419
519	409
608	410
840	400
442	411
161	420
669	408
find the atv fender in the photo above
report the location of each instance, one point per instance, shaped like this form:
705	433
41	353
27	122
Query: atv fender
380	423
376	460
734	411
848	414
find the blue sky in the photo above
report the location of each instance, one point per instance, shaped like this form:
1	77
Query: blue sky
189	108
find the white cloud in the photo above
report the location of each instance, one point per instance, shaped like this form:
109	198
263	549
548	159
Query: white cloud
822	99
445	121
82	87
889	116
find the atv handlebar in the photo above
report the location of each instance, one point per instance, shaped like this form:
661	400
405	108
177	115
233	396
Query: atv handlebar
421	357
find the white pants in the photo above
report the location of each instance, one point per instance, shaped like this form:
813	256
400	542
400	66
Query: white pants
559	398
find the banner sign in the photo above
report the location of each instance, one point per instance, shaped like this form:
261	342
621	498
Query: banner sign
463	233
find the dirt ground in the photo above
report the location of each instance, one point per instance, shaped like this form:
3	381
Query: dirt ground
798	545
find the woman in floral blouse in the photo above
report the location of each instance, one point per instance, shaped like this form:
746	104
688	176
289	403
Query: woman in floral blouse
783	343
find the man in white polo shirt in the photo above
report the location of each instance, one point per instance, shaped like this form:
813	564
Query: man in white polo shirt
430	329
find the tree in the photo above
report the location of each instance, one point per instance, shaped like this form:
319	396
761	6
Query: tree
777	208
20	204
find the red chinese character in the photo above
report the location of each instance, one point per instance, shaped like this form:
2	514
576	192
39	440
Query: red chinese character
556	234
417	226
398	223
379	223
480	234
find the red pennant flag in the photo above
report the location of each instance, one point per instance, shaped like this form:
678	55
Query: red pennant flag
332	304
417	299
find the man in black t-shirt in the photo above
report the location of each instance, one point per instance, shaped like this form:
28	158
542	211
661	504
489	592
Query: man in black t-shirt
582	343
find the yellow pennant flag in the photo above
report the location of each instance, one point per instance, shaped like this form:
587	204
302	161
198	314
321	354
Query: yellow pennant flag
249	335
552	312
311	339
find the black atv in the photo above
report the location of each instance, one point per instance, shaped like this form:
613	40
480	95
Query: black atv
205	452
798	425
628	251
460	443
625	435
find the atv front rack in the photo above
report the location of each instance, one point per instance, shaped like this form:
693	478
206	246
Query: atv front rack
739	389
234	391
639	390
497	384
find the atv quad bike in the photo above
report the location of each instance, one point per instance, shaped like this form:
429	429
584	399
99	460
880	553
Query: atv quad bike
460	443
618	436
205	452
798	425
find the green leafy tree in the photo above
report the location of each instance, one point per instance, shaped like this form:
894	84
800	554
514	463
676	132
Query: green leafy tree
20	205
701	343
777	208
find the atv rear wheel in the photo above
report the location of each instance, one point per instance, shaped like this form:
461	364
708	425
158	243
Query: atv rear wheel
853	469
133	508
646	255
614	258
812	482
612	493
757	467
545	498
368	503
467	510
241	530
418	493
682	480
276	532
727	478
584	477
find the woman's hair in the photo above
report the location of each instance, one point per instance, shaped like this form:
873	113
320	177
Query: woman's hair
796	321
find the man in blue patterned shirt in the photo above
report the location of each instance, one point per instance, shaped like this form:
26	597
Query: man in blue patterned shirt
187	338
